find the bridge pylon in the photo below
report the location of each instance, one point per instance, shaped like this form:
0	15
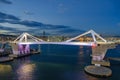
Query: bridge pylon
19	48
25	37
93	33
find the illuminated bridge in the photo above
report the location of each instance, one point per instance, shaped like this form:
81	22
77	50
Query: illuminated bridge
99	45
26	38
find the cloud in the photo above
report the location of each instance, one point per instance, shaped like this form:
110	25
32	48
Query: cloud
14	24
62	8
17	27
5	1
28	13
7	17
6	28
118	24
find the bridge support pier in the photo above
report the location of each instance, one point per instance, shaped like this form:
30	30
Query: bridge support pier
20	49
14	48
99	52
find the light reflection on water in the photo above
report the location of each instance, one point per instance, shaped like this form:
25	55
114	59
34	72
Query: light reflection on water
25	71
5	69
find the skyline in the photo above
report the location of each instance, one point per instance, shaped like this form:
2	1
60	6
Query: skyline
103	16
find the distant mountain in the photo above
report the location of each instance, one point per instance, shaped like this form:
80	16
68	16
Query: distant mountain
10	24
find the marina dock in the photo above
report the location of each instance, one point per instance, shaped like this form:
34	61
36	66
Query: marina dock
5	59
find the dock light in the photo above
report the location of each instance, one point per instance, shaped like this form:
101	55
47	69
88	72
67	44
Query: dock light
94	45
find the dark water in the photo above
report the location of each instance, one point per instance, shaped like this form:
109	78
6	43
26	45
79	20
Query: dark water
55	63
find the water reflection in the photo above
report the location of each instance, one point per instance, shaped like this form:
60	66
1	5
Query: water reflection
25	71
81	51
5	69
58	63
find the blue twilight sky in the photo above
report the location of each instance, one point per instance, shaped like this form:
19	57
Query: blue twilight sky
103	16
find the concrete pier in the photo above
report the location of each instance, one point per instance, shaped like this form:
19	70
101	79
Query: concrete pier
5	59
103	62
98	71
99	52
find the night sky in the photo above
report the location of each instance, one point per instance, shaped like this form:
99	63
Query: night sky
60	16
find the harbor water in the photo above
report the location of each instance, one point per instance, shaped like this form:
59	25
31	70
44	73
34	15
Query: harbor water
56	62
